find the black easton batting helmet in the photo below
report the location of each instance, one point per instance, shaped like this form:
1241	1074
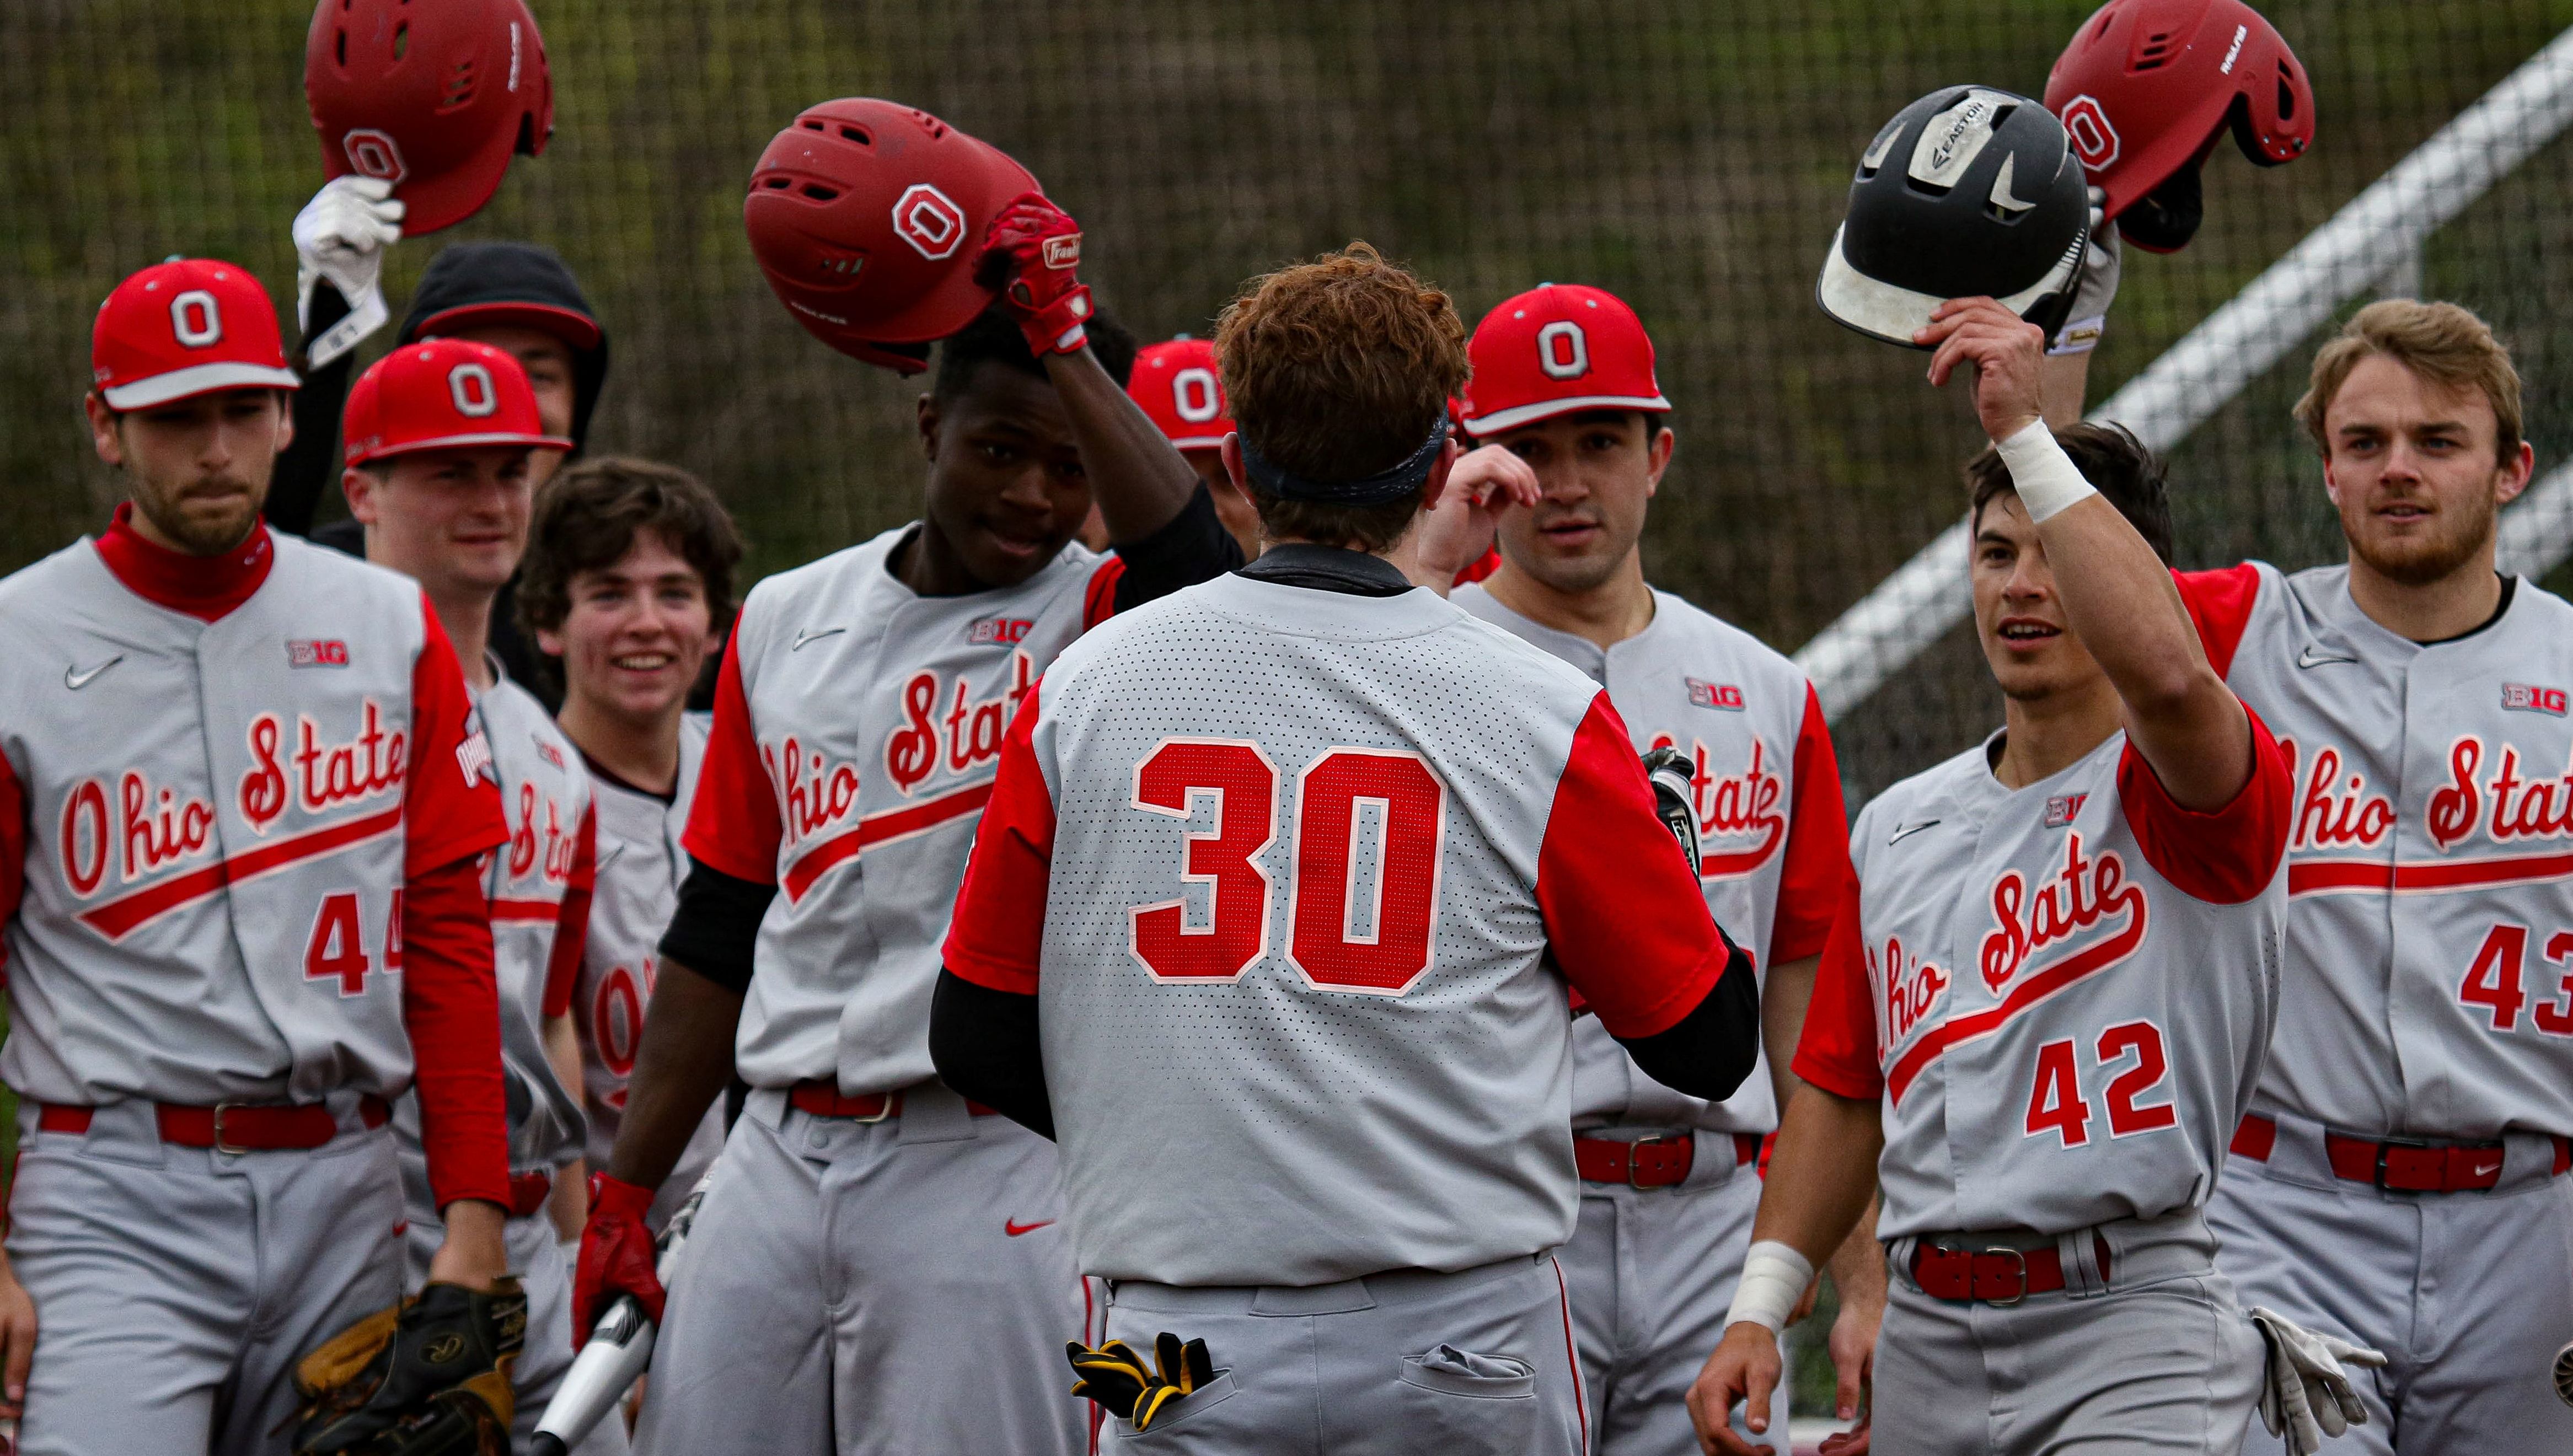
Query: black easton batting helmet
1968	191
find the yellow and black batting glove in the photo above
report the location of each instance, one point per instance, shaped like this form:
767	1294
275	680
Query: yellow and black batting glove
1112	1374
1178	1370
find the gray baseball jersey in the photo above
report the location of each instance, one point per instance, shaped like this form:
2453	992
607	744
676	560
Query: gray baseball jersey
1289	859
2061	992
640	866
857	727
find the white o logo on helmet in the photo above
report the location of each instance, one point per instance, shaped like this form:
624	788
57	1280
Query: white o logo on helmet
1563	350
195	319
929	221
1192	392
2086	121
372	153
469	386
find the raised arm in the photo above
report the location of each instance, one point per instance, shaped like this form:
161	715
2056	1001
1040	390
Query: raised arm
2117	595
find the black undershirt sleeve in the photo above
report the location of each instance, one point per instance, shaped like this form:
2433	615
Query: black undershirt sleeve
1708	1053
309	463
986	1046
716	926
1191	548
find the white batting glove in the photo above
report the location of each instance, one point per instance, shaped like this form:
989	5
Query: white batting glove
2305	1392
342	235
2094	288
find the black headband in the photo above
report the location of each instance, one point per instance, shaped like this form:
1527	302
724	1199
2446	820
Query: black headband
1389	485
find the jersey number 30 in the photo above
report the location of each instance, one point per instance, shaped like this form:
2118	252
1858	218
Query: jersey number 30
1327	898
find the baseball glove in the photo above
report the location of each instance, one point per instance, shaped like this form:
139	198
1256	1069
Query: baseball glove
428	1377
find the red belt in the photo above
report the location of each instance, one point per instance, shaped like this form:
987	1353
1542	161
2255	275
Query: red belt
2405	1166
821	1097
1995	1275
1659	1161
529	1191
230	1127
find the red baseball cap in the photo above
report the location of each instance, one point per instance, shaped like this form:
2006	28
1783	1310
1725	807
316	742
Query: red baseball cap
440	395
191	326
1179	384
1554	350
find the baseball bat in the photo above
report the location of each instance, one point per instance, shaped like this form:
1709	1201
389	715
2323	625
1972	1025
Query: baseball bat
619	1350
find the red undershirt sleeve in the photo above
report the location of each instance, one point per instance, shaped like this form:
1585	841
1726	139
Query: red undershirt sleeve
452	1009
571	927
13	852
451	800
733	821
2223	857
1838	1050
2220	604
1625	915
997	935
1808	886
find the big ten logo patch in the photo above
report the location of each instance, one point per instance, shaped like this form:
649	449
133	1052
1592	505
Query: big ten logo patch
2063	809
2080	895
998	631
1910	989
315	652
2523	697
944	722
1721	696
319	773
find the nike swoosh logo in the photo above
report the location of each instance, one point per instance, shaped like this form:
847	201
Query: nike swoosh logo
2316	657
1904	831
2486	1169
76	680
1014	1228
809	635
2002	197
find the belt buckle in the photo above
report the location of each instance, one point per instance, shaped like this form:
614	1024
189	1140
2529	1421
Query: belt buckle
1635	1162
220	1144
2019	1255
2387	1146
891	1101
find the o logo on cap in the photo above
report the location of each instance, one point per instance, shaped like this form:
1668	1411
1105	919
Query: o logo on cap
2086	121
195	319
469	386
372	154
1563	350
1193	392
929	221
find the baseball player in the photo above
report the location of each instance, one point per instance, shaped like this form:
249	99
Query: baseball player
2400	1180
870	1234
1280	861
627	582
1179	384
1563	380
2047	994
240	808
439	437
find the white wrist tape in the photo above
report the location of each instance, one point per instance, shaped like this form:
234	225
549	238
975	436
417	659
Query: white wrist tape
1773	1279
2043	476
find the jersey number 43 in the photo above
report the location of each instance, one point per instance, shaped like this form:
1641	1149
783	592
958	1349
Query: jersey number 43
1327	903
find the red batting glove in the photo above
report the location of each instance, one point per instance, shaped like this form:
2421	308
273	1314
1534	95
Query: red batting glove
618	1255
1029	255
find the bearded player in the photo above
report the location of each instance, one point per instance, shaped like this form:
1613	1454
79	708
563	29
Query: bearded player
2047	994
627	583
2412	1122
1563	380
440	436
1311	1112
870	1236
240	789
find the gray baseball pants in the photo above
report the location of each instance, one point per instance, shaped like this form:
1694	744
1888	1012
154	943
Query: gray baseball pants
1651	1271
2469	1294
2156	1360
1410	1363
891	1288
177	1287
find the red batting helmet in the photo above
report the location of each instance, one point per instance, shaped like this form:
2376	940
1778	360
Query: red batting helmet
431	98
442	395
188	327
2145	87
867	218
1180	386
1554	350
